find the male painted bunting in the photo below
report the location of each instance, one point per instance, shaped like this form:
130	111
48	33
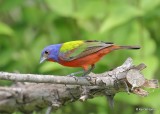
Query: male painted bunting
80	53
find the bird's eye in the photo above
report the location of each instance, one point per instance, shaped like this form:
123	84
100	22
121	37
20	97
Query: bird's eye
46	52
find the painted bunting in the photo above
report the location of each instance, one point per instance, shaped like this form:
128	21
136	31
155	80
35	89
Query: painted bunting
80	53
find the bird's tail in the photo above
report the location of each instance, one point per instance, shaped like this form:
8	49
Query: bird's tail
128	47
116	47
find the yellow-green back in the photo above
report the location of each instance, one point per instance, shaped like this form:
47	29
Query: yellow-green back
67	46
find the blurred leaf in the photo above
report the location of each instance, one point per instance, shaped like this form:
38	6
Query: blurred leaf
148	5
151	100
119	16
31	14
5	29
6	5
129	99
64	7
85	10
151	68
147	54
5	57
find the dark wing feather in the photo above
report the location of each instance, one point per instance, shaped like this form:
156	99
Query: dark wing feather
87	48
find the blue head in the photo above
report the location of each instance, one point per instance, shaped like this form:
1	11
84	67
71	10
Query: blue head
50	53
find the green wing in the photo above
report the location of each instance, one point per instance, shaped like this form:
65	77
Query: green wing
77	49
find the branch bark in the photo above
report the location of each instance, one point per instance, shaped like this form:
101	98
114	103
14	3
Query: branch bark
41	91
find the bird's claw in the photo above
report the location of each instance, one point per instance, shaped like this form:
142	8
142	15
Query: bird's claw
88	78
72	75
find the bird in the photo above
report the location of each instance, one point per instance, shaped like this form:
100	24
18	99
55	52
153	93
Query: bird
80	53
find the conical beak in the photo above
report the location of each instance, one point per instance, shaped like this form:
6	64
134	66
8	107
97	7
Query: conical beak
42	59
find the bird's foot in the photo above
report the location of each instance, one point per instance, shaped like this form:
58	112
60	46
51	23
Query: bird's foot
74	74
85	74
70	75
88	78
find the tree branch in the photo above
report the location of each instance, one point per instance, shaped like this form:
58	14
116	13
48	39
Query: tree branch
54	91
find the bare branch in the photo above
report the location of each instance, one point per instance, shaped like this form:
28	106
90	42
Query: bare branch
54	91
64	79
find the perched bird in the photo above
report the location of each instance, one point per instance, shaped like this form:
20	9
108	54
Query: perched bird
80	53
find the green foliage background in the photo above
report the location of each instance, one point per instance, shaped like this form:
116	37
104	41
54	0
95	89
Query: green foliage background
27	26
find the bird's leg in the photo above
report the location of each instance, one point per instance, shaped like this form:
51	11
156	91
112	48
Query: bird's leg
89	70
85	72
75	73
